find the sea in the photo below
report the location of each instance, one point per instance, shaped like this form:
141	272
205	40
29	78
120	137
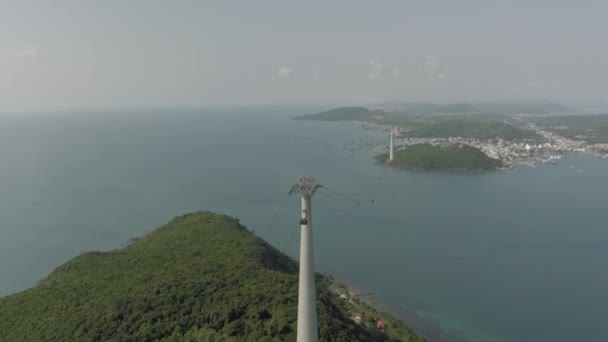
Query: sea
516	255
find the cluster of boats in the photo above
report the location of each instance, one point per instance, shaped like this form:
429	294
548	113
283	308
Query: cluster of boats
551	159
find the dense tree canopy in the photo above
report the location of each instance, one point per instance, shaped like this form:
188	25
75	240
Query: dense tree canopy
427	157
201	277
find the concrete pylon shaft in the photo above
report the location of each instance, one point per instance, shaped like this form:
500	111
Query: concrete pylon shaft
307	298
391	147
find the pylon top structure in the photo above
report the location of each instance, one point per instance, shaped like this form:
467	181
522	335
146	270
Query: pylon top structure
305	186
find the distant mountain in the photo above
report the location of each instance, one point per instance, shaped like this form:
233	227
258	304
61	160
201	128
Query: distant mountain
589	107
423	108
201	277
503	107
396	110
343	114
365	114
523	107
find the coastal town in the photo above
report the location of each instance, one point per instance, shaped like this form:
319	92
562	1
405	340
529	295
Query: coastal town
548	148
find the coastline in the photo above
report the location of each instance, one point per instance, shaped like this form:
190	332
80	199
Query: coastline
424	324
425	327
366	312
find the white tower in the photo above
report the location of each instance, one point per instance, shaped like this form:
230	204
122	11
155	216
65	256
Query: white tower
307	298
391	152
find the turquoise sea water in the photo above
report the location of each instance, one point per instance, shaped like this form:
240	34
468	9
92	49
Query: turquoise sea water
517	255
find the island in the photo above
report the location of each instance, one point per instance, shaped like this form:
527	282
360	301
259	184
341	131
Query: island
201	277
441	158
508	133
474	125
593	129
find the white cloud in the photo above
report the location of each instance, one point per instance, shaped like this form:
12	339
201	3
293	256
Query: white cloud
434	67
541	85
431	62
291	73
29	52
377	69
284	72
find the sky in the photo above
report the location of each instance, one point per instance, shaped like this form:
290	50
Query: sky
57	55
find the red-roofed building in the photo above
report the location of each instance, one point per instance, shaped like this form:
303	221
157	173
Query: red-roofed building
358	317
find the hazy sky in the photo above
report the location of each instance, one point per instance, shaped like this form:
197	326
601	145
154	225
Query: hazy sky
92	54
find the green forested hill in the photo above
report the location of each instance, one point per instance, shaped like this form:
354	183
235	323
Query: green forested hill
201	277
427	125
475	128
428	157
343	114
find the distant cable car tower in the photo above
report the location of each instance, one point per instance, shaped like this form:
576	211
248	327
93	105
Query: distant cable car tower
307	302
391	152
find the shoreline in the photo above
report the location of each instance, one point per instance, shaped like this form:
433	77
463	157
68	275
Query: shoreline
421	325
424	327
371	317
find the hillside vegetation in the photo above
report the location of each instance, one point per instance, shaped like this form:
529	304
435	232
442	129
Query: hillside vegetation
201	277
470	128
343	114
427	157
591	128
426	124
